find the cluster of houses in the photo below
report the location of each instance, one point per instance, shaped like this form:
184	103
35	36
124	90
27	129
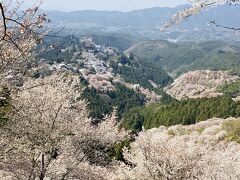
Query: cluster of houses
90	64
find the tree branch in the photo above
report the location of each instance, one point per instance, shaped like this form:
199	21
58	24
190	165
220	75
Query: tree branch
225	27
4	22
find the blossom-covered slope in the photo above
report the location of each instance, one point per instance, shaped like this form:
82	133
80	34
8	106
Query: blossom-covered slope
200	83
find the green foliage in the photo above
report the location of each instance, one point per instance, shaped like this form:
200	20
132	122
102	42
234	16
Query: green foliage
233	130
140	72
183	112
58	49
116	151
96	103
165	98
123	98
200	130
171	133
4	105
133	119
232	89
235	71
178	58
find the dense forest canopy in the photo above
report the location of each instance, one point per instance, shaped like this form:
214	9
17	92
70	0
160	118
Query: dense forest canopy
122	99
184	112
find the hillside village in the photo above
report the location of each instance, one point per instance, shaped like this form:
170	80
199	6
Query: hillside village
90	63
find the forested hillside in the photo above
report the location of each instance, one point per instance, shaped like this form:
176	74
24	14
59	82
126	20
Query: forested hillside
230	89
200	83
122	99
139	72
143	65
69	51
184	112
178	58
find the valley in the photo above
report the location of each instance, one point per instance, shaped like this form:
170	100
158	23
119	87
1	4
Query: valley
143	78
142	94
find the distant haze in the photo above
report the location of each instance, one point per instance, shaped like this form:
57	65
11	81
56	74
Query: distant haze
108	5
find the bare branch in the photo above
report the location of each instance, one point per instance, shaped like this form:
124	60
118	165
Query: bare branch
225	27
197	7
4	22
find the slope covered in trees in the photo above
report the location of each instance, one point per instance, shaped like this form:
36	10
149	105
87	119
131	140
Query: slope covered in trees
140	72
230	89
189	111
46	129
199	151
58	49
69	50
178	58
199	83
122	99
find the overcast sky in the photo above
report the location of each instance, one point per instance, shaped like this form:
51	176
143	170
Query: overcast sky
120	5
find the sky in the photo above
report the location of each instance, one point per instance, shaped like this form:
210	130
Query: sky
109	5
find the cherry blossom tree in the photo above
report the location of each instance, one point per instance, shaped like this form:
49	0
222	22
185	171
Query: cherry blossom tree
197	7
183	152
20	31
49	134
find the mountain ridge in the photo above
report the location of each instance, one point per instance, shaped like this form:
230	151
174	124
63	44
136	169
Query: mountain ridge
123	12
146	23
157	15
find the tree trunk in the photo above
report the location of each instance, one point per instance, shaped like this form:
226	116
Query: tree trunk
43	170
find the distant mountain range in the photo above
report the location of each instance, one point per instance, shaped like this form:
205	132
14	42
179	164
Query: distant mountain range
227	15
146	22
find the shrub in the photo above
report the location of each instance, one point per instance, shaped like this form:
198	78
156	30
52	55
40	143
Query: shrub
233	130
